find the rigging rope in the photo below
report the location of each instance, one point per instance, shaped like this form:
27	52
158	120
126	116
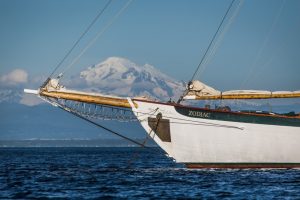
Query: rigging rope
254	65
97	36
208	48
252	72
95	123
81	36
212	40
146	139
86	112
219	39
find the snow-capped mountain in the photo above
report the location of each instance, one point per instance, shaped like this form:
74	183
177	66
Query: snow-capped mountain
10	95
114	76
121	77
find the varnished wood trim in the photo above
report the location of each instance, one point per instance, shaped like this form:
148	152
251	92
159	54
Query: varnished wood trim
111	101
248	96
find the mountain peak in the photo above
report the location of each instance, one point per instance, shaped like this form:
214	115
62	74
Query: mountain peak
122	77
118	60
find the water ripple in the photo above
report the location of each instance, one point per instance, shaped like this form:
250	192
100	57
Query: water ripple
87	173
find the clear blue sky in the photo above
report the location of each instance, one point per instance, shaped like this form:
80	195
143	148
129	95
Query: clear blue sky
261	50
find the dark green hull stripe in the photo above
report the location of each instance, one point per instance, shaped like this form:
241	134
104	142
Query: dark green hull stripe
237	117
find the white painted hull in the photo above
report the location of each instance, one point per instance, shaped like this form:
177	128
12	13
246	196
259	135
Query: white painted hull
222	141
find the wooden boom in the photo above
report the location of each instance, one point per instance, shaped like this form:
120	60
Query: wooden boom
87	98
245	96
197	90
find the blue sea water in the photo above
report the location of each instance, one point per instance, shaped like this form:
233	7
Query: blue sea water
130	173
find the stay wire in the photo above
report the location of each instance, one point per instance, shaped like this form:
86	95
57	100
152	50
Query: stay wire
207	50
254	66
212	40
97	36
81	36
215	46
100	126
136	155
143	144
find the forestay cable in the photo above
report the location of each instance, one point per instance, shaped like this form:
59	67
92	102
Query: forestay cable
220	38
81	36
94	123
259	53
97	36
208	48
212	40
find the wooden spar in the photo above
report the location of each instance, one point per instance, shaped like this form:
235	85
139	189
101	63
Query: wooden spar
245	96
200	91
87	98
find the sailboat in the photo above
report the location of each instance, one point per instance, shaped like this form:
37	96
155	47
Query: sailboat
199	137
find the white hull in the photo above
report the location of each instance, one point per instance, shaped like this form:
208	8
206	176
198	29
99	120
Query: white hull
221	142
203	137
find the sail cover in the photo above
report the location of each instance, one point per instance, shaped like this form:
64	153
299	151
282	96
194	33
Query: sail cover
199	91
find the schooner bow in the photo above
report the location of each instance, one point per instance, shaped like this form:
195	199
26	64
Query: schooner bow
196	137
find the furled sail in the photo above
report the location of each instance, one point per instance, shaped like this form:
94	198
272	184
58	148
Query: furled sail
200	91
